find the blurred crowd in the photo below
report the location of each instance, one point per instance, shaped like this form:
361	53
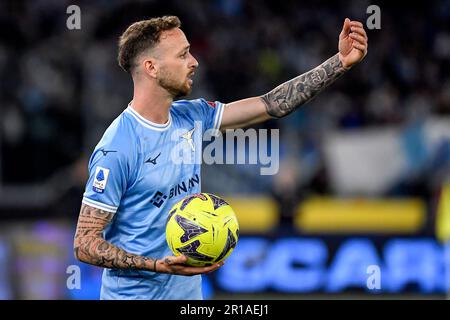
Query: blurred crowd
61	88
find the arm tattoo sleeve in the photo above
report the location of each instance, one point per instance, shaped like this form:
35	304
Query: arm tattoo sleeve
90	246
290	95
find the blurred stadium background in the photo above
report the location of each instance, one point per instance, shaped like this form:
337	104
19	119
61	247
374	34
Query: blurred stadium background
364	170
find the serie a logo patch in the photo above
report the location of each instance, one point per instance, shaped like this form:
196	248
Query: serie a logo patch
100	179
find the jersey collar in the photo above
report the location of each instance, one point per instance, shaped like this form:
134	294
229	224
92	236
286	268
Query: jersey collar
147	123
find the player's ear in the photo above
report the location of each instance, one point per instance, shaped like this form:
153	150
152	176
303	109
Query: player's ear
150	67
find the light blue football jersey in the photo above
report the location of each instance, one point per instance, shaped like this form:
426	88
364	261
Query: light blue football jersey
139	170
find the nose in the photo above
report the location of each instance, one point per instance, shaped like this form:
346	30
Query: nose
194	62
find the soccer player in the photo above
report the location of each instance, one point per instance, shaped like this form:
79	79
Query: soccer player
134	180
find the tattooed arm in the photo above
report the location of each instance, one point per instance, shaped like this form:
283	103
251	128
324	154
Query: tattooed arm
287	97
290	95
90	247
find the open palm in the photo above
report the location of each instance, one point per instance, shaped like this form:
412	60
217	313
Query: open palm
352	43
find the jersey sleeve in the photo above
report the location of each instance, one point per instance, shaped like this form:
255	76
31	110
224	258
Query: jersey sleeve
108	176
211	113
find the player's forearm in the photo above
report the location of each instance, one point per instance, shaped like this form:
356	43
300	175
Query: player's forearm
90	246
97	251
290	95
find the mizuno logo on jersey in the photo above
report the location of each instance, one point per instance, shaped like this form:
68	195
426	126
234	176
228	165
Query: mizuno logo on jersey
105	152
152	161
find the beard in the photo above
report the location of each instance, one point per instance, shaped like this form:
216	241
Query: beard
175	88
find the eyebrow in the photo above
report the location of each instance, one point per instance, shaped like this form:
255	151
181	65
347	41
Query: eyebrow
185	48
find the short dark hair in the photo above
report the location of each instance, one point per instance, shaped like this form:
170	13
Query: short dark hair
140	36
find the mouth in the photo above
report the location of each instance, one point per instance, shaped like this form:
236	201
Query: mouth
190	76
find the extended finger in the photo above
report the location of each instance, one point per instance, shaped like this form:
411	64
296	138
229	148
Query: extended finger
345	28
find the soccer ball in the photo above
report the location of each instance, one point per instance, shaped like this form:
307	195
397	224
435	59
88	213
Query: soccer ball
203	227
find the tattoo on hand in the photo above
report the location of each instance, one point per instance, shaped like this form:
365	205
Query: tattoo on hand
90	247
290	95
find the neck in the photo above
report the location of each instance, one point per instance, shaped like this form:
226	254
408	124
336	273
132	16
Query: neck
152	102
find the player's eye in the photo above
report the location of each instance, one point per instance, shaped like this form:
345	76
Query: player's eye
184	55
